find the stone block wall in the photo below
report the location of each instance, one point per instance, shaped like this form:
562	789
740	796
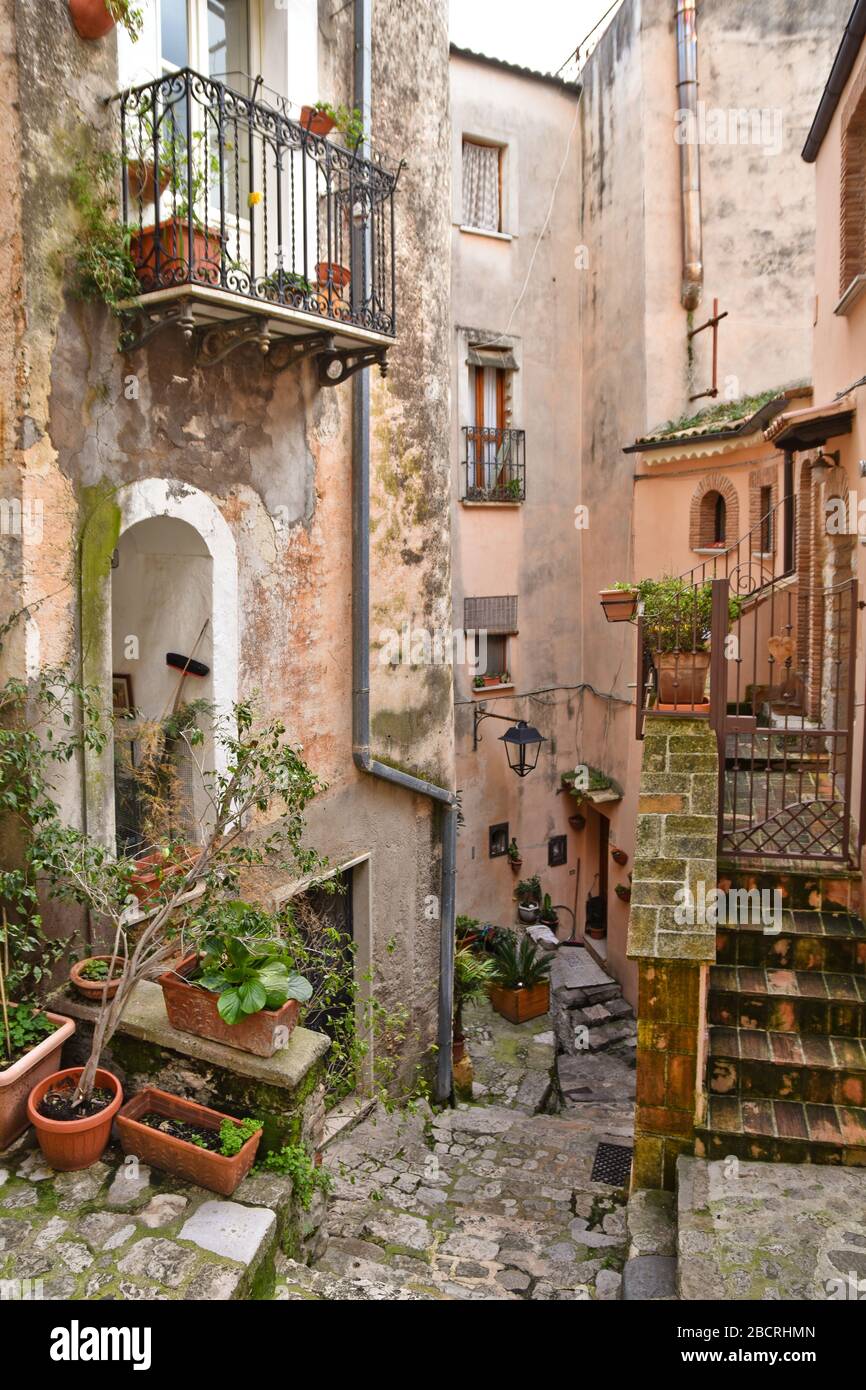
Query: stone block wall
676	851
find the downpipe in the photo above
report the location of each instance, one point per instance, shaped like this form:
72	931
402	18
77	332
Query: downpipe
361	619
690	155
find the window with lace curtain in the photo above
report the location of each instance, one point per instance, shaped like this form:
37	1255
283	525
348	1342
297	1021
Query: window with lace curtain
482	186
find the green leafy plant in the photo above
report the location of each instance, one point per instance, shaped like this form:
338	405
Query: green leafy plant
103	266
519	964
348	121
246	962
294	1162
548	914
23	1028
97	970
513	852
529	890
678	614
472	975
128	14
235	1133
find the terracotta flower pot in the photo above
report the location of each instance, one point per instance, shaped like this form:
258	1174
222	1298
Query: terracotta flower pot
158	1150
91	18
152	871
17	1081
619	856
192	1009
93	989
682	677
141	178
316	122
179	263
68	1145
520	1005
516	864
458	1050
620	605
577	821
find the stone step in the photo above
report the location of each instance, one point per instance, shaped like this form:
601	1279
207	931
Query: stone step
784	1066
768	1232
834	942
783	1131
815	886
788	1001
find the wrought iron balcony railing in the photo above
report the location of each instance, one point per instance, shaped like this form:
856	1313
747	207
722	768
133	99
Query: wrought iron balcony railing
225	193
494	467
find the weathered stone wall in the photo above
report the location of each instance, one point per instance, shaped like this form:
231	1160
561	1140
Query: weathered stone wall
676	851
262	447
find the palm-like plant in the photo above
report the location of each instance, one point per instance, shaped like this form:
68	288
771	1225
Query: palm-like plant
472	975
519	964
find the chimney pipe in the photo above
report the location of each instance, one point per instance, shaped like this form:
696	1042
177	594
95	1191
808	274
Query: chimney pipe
690	155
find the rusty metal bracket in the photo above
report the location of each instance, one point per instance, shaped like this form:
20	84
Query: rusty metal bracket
216	342
336	367
152	322
712	323
288	351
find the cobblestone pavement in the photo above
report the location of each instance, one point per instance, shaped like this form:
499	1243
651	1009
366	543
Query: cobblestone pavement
488	1201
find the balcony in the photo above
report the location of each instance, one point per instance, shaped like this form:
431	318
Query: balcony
246	227
493	466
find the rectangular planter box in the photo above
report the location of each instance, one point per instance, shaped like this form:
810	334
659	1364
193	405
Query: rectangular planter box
17	1081
192	1009
158	1150
520	1005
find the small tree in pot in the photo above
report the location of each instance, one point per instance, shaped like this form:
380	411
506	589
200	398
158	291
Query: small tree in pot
263	771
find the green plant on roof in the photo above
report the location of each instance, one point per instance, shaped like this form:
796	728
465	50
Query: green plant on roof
725	413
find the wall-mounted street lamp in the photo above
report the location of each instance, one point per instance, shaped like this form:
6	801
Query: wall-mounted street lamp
522	741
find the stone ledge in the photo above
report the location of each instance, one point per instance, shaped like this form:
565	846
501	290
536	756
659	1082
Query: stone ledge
145	1019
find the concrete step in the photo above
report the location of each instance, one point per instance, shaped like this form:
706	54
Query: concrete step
788	1001
784	1066
783	1131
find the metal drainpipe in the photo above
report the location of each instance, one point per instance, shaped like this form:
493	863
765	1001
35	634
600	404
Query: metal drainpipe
690	155
361	616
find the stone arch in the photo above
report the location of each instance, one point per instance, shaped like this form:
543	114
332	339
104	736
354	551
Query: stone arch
702	513
113	512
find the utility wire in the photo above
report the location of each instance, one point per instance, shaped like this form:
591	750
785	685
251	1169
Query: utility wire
575	53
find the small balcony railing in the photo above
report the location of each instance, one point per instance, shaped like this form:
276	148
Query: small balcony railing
225	193
494	464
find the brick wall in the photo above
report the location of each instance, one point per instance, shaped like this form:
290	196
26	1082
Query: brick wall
676	849
703	510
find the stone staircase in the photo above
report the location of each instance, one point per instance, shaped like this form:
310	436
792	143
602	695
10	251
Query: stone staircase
786	1070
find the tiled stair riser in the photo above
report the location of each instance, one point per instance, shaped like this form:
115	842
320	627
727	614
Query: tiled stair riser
786	1072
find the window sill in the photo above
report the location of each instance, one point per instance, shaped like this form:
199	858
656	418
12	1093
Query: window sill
485	231
718	550
486	689
851	296
470	502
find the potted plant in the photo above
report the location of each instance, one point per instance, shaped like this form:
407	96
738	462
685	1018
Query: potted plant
478	682
318	119
30	1045
323	117
189	1140
167	252
514	858
619	602
521	990
473	974
577	821
528	897
623	891
241	988
677	623
96	977
548	916
618	856
332	280
466	930
93	19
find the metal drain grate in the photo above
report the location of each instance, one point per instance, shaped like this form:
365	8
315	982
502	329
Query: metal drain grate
612	1165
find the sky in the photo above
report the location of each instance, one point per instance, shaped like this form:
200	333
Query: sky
540	35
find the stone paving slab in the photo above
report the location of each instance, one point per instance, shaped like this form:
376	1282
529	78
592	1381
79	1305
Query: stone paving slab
119	1230
489	1201
770	1231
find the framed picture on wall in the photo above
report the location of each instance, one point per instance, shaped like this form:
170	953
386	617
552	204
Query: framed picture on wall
121	694
557	850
